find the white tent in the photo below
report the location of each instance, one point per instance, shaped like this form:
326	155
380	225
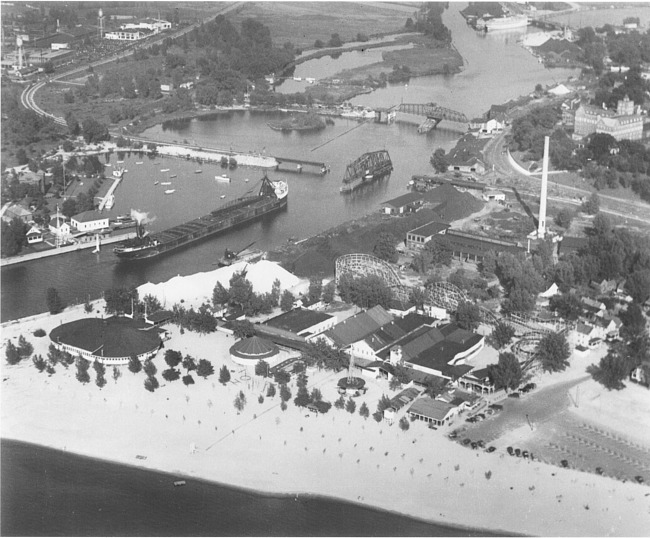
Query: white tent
553	290
196	289
560	89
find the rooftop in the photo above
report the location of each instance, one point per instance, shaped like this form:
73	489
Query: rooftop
298	320
359	326
404	200
254	348
89	216
429	407
430	228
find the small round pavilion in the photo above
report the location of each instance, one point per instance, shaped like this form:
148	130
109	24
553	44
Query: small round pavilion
248	351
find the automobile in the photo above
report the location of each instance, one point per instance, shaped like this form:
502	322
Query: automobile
599	470
470	419
517	452
490	449
496	407
513	395
489	412
564	463
474	445
639	479
467	441
510	450
481	416
524	454
480	443
453	435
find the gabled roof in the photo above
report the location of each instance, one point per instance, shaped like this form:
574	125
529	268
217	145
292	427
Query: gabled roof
297	320
358	326
428	407
431	228
583	328
89	216
403	200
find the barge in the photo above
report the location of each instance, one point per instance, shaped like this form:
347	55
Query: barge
366	169
272	196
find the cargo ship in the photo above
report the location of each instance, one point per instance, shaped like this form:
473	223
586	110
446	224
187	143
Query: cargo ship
503	23
367	168
272	196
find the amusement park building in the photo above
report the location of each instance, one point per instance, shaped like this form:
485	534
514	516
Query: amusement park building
474	247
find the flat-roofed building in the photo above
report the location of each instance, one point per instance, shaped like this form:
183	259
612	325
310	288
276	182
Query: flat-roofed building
472	247
435	412
89	221
417	238
303	322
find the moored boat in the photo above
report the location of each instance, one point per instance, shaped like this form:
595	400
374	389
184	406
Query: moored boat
164	170
272	196
170	191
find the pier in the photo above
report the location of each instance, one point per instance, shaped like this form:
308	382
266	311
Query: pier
63	250
323	168
432	115
109	195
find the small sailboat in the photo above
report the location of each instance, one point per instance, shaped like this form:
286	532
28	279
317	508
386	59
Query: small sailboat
222	196
198	171
156	182
96	244
222	177
246	180
166	183
173	176
170	191
164	169
139	162
120	162
179	483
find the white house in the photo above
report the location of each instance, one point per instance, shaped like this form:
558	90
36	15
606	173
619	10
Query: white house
497	196
58	226
89	221
34	235
585	334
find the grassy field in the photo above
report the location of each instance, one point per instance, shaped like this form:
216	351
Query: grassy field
302	23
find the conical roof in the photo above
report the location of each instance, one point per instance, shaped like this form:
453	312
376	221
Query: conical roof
254	348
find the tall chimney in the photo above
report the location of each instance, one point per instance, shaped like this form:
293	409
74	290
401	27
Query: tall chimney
541	230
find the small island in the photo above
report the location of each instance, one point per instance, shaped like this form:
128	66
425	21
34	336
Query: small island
300	122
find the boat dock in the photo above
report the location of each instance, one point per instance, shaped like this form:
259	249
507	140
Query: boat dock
105	200
323	168
5	262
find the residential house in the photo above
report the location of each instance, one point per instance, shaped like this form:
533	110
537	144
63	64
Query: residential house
16	211
34	235
402	399
494	196
584	335
466	156
477	380
406	203
435	412
58	226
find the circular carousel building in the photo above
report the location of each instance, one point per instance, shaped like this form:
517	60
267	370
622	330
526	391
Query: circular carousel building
248	351
110	341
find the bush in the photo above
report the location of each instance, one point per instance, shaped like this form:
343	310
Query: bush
171	374
38	333
12	354
404	424
188	380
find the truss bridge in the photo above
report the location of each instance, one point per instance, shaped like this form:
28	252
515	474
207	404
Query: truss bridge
433	114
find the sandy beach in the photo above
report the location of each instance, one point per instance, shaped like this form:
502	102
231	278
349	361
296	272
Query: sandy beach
418	473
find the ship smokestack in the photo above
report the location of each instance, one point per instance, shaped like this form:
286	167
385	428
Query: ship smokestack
541	230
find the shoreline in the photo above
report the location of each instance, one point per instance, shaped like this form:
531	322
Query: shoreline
123	420
263	493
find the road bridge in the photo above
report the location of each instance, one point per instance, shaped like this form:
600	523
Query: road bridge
323	168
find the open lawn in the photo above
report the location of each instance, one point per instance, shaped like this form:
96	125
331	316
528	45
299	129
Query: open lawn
302	23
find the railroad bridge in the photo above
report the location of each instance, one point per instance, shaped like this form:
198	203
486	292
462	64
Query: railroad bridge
433	114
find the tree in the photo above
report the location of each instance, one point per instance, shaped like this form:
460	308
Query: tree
591	205
224	375
189	363
287	300
12	354
151	383
93	131
335	41
54	303
340	402
39	362
220	295
281	377
394	383
204	368
270	391
638	285
240	402
467	316
634	322
302	398
553	351
25	349
149	368
404	424
188	380
567	305
173	358
316	395
315	288
262	368
601	225
439	161
117	373
328	292
502	334
506	373
364	411
350	405
564	218
365	291
243	329
612	369
171	374
82	370
385	249
285	393
120	300
134	364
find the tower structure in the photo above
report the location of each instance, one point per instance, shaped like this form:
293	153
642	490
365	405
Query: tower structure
541	229
101	24
19	47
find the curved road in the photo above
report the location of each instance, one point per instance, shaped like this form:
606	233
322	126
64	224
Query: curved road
27	98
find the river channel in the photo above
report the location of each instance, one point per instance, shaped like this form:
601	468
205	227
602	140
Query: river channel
497	69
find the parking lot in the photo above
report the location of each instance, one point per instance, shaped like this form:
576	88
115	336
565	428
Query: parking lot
540	423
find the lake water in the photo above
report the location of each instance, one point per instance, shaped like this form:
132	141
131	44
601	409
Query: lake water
497	69
46	492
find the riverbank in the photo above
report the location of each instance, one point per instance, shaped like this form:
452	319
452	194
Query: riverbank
195	432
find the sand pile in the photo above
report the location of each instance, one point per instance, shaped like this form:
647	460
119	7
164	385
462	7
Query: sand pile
194	290
455	205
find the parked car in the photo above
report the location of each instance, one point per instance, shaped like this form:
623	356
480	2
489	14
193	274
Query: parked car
480	443
496	407
490	449
481	416
599	470
564	463
517	452
510	450
467	441
513	395
639	479
474	445
453	435
524	454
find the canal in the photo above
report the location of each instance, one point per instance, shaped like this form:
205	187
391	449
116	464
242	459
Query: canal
497	69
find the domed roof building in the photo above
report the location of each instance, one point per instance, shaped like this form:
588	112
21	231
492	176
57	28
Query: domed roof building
250	350
110	341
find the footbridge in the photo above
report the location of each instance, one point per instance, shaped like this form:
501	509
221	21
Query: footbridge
433	114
